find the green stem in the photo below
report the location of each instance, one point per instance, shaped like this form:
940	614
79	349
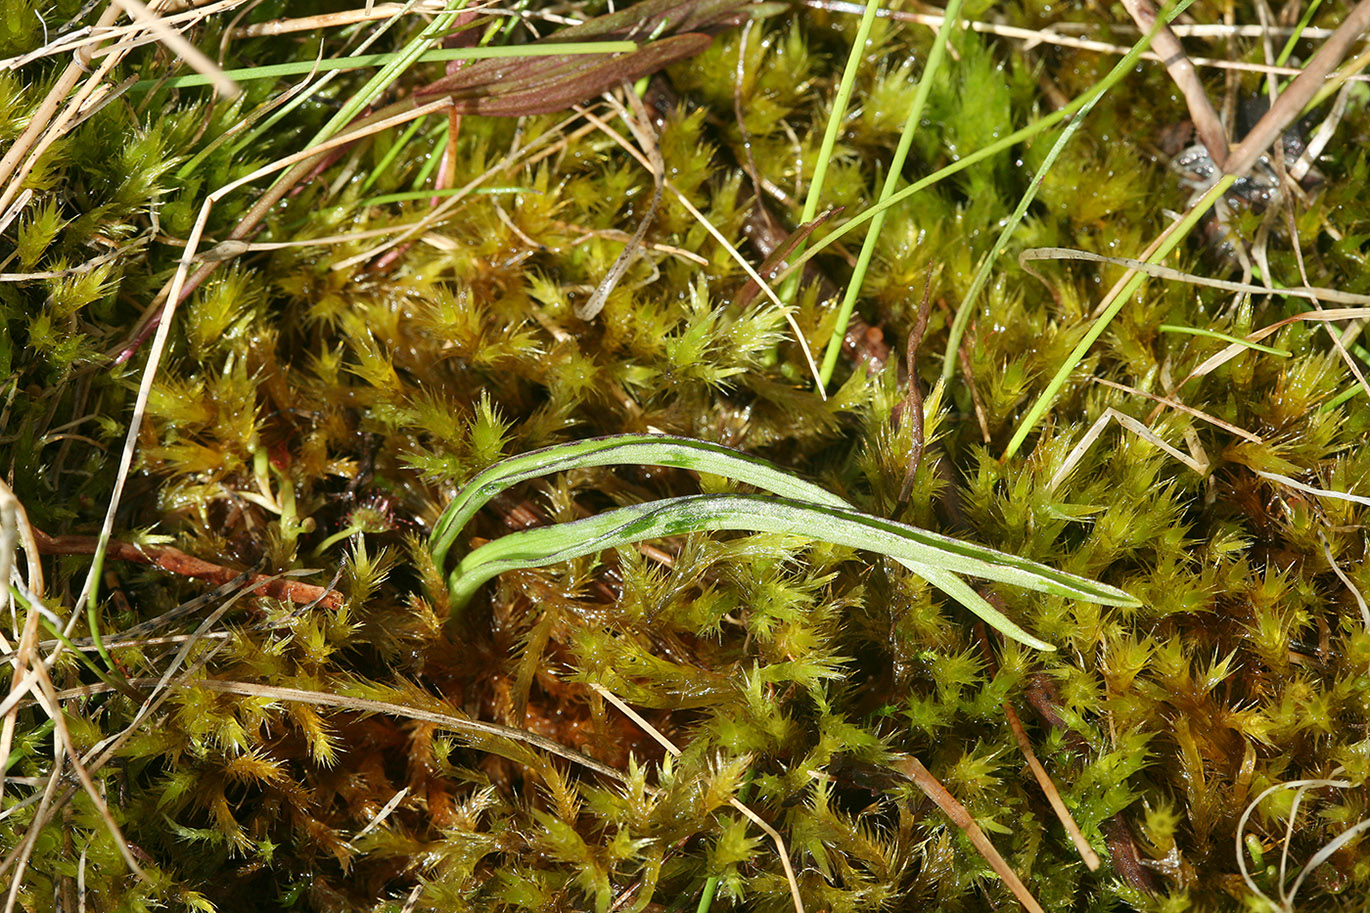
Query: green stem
834	129
901	153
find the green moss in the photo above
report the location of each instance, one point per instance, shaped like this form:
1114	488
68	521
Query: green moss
318	406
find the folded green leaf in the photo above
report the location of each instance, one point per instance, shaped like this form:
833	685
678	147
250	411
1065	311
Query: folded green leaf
702	456
765	513
617	450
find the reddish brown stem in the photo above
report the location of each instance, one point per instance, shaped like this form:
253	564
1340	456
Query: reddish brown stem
175	561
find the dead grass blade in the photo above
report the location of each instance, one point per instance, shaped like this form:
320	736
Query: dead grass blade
1198	461
177	43
458	724
1166	45
1329	315
1293	100
1157	271
1181	407
175	561
640	124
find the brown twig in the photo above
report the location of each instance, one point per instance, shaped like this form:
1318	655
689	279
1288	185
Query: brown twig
175	561
912	768
913	401
1207	124
1077	837
1041	693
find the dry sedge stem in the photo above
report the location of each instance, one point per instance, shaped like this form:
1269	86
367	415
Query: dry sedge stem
1167	46
723	242
1057	35
1091	858
337	20
177	43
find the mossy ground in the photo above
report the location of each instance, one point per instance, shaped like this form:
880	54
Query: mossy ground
314	389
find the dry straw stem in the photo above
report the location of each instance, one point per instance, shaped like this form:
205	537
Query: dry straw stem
529	84
1058	805
753	276
29	675
1181	407
402	232
337	20
14	527
914	770
1327	550
1292	101
1311	489
459	724
1221	357
177	43
1197	462
103	752
640	124
1167	47
1157	271
124	37
1241	158
1057	36
1285	904
751	816
45	126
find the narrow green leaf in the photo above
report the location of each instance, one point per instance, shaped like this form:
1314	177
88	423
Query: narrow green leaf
921	550
704	456
618	450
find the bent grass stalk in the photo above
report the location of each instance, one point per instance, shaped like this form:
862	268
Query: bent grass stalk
802	509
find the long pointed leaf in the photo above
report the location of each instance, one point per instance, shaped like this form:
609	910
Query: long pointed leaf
617	450
683	453
763	513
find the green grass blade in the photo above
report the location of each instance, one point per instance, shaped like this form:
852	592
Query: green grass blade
1177	233
1235	340
385	77
836	117
1121	69
923	550
950	19
966	307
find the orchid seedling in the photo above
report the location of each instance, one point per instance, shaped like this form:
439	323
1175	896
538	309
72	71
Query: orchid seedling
795	507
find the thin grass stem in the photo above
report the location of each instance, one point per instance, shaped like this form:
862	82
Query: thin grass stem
830	134
1113	302
366	61
1120	69
892	179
